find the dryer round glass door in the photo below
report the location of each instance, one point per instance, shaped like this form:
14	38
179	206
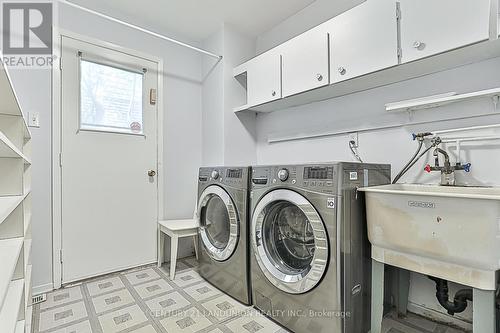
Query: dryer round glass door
219	223
289	241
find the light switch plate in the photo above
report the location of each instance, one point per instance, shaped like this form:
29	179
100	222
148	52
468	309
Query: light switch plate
34	119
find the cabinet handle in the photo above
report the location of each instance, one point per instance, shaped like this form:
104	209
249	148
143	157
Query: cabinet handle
342	70
319	77
273	93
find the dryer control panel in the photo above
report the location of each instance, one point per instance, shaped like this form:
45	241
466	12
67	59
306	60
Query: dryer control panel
231	176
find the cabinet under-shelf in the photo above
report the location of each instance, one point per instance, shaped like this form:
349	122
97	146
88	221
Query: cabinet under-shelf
10	310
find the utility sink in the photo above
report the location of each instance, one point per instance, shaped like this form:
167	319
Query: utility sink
448	232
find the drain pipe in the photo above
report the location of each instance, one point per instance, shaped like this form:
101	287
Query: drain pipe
459	303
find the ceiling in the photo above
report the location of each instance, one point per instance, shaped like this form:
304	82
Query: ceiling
198	19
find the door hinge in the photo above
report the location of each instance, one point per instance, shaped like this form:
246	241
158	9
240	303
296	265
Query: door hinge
400	54
60	64
61	256
60	160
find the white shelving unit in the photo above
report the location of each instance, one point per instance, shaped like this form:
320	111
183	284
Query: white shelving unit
15	212
440	100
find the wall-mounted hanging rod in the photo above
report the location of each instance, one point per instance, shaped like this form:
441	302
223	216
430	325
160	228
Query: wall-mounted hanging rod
152	33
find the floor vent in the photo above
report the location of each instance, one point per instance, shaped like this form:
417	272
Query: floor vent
38	298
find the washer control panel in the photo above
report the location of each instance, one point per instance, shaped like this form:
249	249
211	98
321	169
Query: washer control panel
320	178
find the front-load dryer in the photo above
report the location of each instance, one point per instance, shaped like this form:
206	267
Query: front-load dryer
223	234
310	256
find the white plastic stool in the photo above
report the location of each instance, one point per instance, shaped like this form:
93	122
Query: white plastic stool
176	229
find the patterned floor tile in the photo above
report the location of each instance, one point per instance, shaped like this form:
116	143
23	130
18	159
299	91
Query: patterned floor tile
120	305
105	285
166	305
145	329
119	320
224	308
141	276
112	301
253	322
202	291
61	297
190	320
83	327
179	267
191	261
153	288
62	315
187	278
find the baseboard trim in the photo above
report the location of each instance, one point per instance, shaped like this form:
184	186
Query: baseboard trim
44	288
438	316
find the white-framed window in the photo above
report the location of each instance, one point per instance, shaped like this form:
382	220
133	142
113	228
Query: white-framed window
111	98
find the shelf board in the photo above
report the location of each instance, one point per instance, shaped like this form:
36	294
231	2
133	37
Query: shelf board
10	309
27	285
27	223
20	326
240	108
27	250
9	102
439	100
9	256
8	149
8	204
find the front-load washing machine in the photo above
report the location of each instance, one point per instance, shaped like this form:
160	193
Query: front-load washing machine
310	256
223	235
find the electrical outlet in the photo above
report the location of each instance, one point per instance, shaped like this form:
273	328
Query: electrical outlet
34	119
355	138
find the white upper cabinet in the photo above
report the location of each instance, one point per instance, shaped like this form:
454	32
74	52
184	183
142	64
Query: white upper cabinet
305	62
429	27
364	40
264	78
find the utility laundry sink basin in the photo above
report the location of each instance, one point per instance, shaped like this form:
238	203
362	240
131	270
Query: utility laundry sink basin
449	232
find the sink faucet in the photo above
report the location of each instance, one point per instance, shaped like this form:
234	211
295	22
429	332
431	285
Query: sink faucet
447	170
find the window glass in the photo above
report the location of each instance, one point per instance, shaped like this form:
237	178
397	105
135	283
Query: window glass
217	222
288	238
110	99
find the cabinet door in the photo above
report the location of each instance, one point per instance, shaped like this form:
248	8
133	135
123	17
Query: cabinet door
430	27
364	40
305	62
264	78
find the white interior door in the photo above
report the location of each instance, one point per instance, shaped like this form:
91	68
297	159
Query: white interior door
109	145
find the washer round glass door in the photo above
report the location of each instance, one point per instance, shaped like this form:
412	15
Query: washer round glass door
290	241
219	223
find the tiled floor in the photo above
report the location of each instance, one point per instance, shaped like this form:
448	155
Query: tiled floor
144	300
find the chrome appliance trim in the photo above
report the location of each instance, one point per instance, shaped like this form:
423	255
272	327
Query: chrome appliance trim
290	283
214	252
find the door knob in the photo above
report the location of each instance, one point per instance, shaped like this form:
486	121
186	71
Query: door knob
342	70
151	173
319	77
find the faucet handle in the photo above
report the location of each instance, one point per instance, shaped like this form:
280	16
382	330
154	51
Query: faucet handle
467	167
428	168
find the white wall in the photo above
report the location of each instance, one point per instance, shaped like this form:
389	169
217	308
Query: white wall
394	145
182	127
227	139
213	103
